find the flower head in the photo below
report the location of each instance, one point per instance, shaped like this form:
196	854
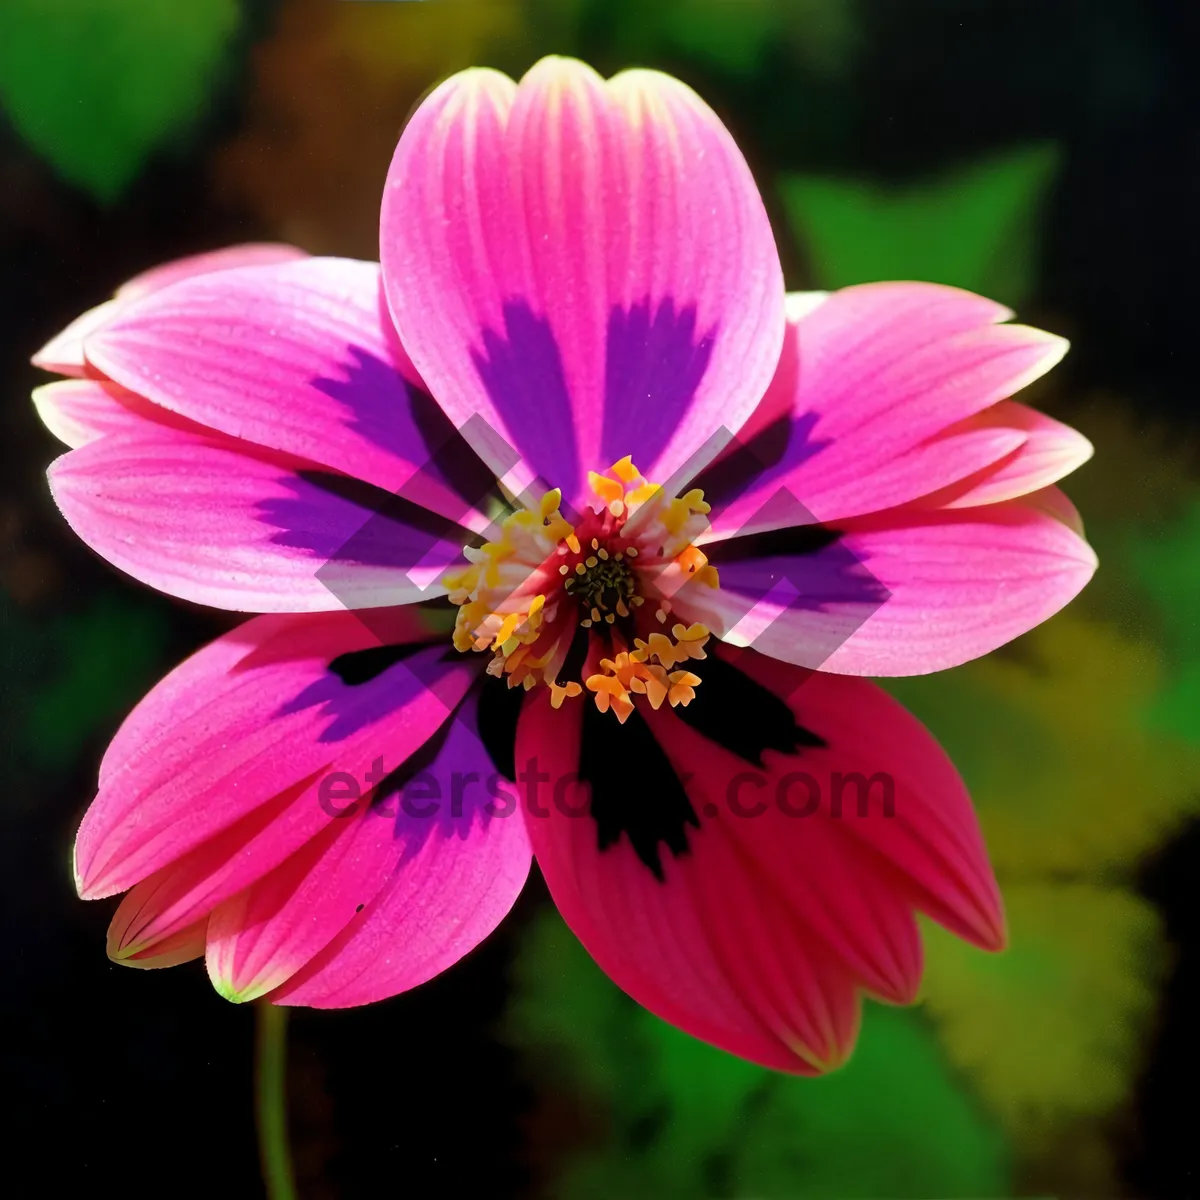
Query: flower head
572	532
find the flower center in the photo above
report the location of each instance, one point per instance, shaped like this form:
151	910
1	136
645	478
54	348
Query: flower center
600	576
583	606
603	584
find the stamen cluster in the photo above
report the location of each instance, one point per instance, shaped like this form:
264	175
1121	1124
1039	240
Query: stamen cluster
526	596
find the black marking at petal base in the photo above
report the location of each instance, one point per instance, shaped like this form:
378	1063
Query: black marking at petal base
397	779
740	714
357	667
635	790
498	713
773	543
743	461
572	668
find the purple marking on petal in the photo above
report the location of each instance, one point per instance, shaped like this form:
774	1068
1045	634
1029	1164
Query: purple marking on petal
653	366
760	460
522	371
379	402
342	520
798	567
405	420
797	555
444	788
447	785
803	568
353	706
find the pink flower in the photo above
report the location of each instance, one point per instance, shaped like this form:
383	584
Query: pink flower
579	293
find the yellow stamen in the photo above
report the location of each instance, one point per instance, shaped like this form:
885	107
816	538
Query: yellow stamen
683	688
609	490
560	692
506	627
625	471
654	554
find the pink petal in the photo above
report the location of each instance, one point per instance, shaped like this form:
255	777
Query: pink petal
932	840
299	357
870	404
63	354
225	759
383	902
181	947
902	593
154	911
762	931
583	267
78	411
220	523
1050	452
247	254
657	942
1055	503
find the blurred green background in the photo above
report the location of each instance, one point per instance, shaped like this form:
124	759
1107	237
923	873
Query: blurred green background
1041	151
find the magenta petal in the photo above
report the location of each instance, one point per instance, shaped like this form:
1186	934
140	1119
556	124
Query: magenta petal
583	267
1055	503
871	403
64	353
153	912
902	593
246	254
386	900
221	523
78	411
184	946
788	897
299	357
1050	451
224	759
928	842
715	946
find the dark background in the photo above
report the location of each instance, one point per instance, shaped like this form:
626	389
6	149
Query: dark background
142	1082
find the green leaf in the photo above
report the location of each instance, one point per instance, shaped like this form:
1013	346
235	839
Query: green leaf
685	1120
96	85
975	228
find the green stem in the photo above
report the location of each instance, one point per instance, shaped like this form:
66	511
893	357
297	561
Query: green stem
270	1070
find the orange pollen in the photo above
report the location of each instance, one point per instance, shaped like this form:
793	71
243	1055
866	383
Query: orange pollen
525	596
